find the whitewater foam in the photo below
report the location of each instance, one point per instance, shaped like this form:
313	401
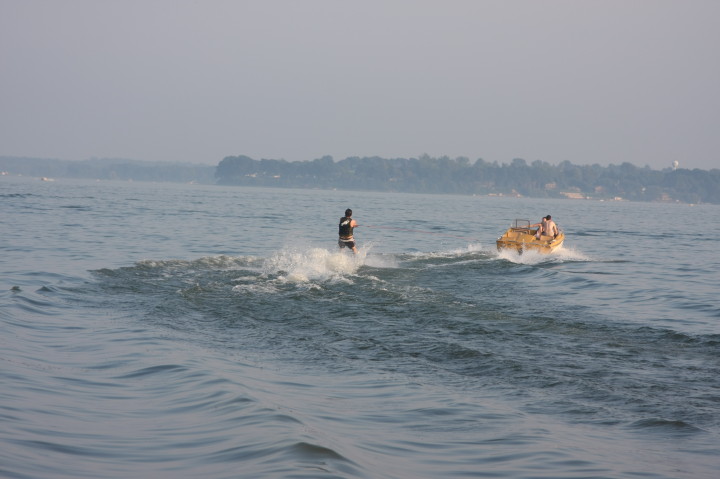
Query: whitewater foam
535	257
313	264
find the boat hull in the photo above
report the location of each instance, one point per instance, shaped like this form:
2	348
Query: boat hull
523	239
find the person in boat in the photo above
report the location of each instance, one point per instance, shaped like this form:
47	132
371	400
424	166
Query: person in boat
345	230
546	227
540	226
551	228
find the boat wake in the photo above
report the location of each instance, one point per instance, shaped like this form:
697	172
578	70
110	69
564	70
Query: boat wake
561	255
313	264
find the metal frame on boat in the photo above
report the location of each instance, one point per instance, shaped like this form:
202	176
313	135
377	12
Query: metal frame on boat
521	237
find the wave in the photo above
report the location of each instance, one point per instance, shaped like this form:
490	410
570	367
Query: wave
316	264
468	318
312	264
530	257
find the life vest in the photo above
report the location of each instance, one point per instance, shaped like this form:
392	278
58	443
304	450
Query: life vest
344	228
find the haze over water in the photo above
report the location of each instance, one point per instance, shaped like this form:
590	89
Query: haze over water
603	82
164	330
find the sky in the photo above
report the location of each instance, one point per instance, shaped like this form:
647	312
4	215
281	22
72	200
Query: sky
193	81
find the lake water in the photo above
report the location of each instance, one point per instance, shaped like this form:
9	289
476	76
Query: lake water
165	331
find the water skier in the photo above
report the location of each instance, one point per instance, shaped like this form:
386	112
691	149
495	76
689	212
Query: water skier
345	230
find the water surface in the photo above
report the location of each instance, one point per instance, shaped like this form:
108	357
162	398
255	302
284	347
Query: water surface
162	330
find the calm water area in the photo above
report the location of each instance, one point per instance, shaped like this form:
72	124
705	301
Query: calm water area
182	331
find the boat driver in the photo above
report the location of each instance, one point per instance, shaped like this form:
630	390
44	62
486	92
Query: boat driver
546	227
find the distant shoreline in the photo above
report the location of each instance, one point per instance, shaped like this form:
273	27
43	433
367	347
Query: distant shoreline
424	175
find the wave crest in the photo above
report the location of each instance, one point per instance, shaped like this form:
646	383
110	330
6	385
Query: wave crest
313	264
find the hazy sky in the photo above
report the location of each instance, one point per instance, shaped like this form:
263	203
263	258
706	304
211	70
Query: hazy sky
194	81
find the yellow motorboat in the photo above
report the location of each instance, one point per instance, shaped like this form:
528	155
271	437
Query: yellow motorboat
521	237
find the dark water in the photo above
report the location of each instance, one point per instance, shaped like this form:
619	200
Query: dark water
153	330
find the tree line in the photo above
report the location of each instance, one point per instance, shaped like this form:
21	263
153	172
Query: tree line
461	176
414	175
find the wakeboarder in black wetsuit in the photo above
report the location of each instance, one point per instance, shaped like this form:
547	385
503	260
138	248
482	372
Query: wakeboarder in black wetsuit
345	230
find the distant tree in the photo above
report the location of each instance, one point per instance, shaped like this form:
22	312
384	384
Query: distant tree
426	174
